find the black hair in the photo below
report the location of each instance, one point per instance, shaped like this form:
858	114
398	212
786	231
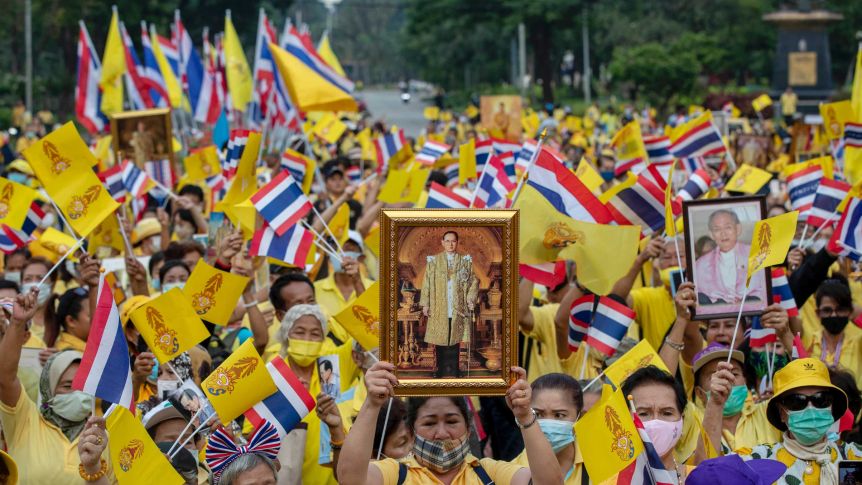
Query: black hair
326	364
70	304
653	375
39	260
437	176
457	238
414	404
179	249
186	215
836	288
275	289
9	285
169	265
155	259
397	415
561	382
193	190
189	394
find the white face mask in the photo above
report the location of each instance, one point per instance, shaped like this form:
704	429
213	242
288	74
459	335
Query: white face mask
156	243
165	387
44	291
13	276
170	286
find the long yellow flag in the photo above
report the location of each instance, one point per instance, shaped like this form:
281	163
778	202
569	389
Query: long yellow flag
113	68
361	317
856	93
15	201
240	382
669	225
244	183
834	116
239	81
772	239
588	175
310	90
328	55
169	325
213	293
135	458
467	161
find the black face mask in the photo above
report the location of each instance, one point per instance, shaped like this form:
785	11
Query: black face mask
834	325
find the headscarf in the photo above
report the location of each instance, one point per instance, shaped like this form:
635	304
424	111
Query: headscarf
294	314
51	373
182	365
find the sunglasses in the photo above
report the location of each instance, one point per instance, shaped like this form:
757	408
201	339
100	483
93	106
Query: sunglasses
798	402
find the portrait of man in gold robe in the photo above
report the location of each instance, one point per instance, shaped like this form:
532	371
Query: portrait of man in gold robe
450	290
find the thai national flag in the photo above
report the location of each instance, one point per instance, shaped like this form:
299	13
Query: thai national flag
484	149
151	74
235	147
137	89
172	54
105	371
190	65
12	239
545	274
493	185
610	324
33	219
700	140
354	174
112	178
294	164
211	98
852	135
388	145
292	42
509	166
759	335
276	97
802	187
693	164
287	406
264	68
451	172
848	234
503	146
528	149
642	204
440	197
431	152
161	171
137	181
658	149
781	292
565	191
829	195
580	316
88	96
292	247
281	202
696	186
647	469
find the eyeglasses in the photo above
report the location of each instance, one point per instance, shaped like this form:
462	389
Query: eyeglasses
798	402
828	311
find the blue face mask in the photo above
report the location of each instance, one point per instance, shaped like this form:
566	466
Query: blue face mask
169	286
735	401
608	175
810	425
336	265
19	178
559	433
157	285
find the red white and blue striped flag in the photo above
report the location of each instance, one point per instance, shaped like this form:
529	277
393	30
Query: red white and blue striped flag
151	73
235	147
452	171
294	164
759	335
565	191
503	146
137	181
580	316
696	186
528	149
493	186
388	145
287	406
658	149
112	179
647	469
829	195
12	239
440	197
848	234
136	87
292	247
88	96
431	152
281	202
292	42
641	204
781	292
610	324
509	166
161	171
802	187
545	274
700	140
484	150
105	370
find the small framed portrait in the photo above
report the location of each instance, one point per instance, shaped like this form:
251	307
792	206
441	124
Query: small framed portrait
143	136
718	236
448	299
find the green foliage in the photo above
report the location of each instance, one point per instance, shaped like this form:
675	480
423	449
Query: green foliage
656	71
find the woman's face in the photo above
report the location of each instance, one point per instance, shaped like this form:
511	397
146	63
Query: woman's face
440	419
79	325
33	273
177	274
399	443
554	404
721	331
706	372
306	327
64	384
182	228
655	401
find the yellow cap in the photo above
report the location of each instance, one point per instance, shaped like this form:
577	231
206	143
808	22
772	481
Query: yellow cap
145	228
11	466
803	373
21	166
607	152
131	304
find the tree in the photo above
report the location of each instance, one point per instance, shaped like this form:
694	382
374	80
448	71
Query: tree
655	72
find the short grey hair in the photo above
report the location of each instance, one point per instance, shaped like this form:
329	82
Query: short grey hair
244	463
727	212
294	314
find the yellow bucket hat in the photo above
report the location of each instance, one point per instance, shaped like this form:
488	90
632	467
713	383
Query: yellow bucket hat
145	228
12	479
131	304
803	373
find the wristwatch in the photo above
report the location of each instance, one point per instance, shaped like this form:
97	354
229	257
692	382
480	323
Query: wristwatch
525	426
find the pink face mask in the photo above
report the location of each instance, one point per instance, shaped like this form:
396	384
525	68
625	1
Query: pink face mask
664	434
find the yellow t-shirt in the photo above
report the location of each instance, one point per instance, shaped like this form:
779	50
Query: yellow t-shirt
41	450
851	351
501	472
66	341
577	469
752	429
331	300
654	314
795	467
543	354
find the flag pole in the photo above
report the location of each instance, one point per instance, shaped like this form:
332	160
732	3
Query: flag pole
329	249
476	189
523	179
196	431
817	232
176	442
584	360
71	250
63	218
850	248
385	422
736	327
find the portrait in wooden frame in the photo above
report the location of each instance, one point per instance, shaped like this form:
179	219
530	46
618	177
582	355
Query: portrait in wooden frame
460	336
143	136
718	236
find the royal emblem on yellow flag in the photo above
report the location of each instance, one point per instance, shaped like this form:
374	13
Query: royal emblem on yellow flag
135	457
431	113
403	185
106	235
329	128
238	383
748	179
614	440
58	243
639	356
772	239
361	318
202	164
15	201
834	116
213	293
169	325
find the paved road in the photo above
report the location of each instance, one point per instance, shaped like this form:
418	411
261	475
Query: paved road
387	105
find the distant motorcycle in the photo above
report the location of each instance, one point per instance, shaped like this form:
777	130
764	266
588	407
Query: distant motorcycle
405	98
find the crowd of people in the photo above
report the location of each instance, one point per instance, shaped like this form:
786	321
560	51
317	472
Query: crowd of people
740	414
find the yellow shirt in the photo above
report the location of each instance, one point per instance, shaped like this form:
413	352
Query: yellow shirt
851	351
654	313
41	450
795	467
68	341
788	103
331	300
752	429
501	472
543	354
577	470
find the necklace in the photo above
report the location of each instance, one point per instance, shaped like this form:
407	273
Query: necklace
678	473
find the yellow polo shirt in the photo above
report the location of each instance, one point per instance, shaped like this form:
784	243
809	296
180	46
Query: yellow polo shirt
543	354
331	300
851	351
68	341
752	429
501	472
41	450
654	314
578	466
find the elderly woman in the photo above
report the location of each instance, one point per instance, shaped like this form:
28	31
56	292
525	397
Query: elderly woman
804	407
441	450
43	439
302	338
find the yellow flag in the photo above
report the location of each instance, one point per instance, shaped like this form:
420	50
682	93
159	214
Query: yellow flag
310	168
169	324
361	318
15	202
669	226
340	223
202	164
467	161
246	218
628	144
244	183
175	90
588	175
113	68
471	111
61	157
772	238
748	179
639	356
239	82
856	93
58	243
307	88
213	293
403	186
834	116
825	163
239	383
853	164
431	112
328	55
761	102
372	241
134	456
603	253
329	128
103	153
614	442
107	235
368	150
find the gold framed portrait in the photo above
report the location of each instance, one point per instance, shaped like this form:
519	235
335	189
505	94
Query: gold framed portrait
143	136
449	299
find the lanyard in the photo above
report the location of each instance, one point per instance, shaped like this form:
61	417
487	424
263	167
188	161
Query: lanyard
837	350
